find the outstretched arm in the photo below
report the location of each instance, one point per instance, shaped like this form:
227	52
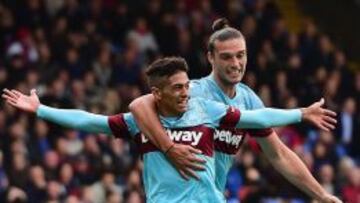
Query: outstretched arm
75	119
269	117
292	168
181	156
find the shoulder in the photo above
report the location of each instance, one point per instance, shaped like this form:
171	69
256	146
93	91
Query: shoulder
249	97
244	89
199	87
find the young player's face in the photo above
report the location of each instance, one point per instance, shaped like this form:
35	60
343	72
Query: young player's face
229	60
175	94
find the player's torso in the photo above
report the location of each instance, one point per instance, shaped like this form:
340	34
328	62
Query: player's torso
227	141
162	182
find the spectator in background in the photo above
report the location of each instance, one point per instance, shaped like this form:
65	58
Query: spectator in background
105	185
36	188
143	37
347	127
326	178
351	192
4	182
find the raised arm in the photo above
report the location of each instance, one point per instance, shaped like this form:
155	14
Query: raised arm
181	156
269	117
75	119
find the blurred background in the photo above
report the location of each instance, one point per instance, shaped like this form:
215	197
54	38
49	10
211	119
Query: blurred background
91	55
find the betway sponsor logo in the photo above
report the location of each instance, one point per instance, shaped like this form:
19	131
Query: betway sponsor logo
227	137
180	136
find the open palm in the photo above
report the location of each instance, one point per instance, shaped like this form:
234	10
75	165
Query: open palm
319	116
21	101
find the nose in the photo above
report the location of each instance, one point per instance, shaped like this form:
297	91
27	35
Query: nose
236	62
184	92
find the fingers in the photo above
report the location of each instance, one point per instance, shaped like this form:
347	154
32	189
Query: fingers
195	151
196	159
10	93
33	92
184	175
9	99
330	120
17	93
328	125
319	103
11	102
192	173
329	112
195	166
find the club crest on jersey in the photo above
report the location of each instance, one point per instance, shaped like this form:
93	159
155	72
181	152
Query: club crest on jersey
180	136
228	137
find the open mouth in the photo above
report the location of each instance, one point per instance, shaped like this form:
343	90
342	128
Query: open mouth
183	103
235	72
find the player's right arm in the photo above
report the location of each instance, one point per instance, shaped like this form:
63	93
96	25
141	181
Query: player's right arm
75	119
181	156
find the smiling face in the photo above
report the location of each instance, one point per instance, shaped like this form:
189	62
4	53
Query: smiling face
228	60
173	96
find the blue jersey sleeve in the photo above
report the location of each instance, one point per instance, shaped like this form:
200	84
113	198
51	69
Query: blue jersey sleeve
268	117
75	119
196	89
254	102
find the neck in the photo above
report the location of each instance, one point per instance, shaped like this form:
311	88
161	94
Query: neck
166	112
228	89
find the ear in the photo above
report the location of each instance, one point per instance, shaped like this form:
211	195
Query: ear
210	57
156	92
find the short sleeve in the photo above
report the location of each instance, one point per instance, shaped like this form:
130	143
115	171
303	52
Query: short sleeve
123	125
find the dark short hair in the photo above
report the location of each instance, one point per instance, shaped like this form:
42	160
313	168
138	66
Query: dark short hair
222	32
165	68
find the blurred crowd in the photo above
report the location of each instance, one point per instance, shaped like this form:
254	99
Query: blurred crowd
91	55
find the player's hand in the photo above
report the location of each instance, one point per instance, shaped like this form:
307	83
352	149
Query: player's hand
184	158
21	101
318	116
328	198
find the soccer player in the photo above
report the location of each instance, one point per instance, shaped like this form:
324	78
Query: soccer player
188	121
227	55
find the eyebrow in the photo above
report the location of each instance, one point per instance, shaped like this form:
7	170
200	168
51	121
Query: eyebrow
231	53
177	84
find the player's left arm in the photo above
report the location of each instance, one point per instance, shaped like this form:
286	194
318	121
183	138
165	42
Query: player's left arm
269	117
292	168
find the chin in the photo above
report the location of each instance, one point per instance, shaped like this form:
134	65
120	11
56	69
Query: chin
233	81
236	80
182	109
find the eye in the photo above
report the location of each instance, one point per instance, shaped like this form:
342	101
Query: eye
177	87
226	56
240	55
